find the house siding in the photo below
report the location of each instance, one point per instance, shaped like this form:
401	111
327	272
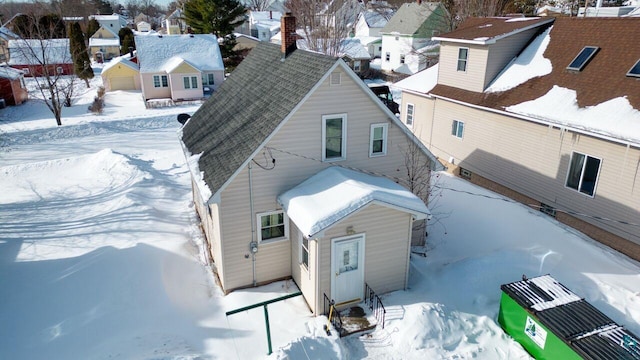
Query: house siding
473	79
422	114
533	159
297	148
384	270
120	71
150	92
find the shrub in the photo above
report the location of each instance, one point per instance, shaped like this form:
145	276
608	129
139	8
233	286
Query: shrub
97	106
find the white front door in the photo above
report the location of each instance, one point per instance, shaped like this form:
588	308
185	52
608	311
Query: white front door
347	268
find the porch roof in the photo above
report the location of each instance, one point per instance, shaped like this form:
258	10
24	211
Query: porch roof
335	193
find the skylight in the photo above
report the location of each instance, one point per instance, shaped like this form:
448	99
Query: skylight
581	60
635	70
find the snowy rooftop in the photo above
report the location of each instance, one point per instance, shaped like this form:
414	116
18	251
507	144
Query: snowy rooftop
124	60
354	49
9	73
27	51
200	50
421	82
375	19
104	42
335	193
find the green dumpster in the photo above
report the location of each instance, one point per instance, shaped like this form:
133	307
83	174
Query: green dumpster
551	322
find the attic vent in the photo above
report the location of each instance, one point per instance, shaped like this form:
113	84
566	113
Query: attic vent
466	174
548	209
635	70
335	78
583	58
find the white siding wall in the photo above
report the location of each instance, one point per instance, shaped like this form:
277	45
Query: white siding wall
533	159
150	92
300	136
178	92
396	48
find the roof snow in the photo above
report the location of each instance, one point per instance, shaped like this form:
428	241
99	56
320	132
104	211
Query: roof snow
155	53
27	51
421	82
104	42
10	73
124	60
335	193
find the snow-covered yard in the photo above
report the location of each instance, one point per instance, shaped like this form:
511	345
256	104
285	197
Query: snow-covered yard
101	257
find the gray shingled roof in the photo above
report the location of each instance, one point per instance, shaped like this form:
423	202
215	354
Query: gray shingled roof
410	18
248	106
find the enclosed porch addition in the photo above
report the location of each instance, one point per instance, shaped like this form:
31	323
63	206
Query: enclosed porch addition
349	228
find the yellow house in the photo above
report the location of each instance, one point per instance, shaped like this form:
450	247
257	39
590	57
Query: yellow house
121	74
104	44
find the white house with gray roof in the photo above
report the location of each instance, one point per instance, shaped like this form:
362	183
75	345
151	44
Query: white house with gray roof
408	33
298	172
179	67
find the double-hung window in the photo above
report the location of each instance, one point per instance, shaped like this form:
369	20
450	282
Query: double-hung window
190	82
410	113
583	173
463	55
378	140
387	56
304	250
334	137
207	79
272	225
160	81
457	129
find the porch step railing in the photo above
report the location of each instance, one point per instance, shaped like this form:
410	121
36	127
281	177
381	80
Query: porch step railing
333	314
375	304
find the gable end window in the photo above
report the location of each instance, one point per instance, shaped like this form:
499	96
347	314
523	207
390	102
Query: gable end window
579	62
583	173
273	225
457	129
463	56
378	140
410	113
635	70
334	137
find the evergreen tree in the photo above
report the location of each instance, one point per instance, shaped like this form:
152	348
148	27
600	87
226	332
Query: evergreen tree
81	62
126	40
92	27
218	17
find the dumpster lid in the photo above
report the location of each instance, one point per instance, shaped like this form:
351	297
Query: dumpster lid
540	293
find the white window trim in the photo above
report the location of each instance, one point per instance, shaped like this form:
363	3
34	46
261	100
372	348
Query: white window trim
413	115
457	127
285	219
186	82
595	186
300	247
344	137
385	128
466	61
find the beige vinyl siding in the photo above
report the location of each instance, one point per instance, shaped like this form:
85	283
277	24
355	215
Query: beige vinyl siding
386	248
297	150
210	222
533	159
474	78
503	51
304	277
422	113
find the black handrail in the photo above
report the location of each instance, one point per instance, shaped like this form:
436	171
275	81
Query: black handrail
375	304
333	315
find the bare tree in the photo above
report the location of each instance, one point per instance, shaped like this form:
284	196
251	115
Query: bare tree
49	62
258	5
325	23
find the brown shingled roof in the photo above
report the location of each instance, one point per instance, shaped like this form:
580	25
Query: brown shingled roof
602	79
492	27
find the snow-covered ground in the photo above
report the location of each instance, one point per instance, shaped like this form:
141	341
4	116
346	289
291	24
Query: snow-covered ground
101	257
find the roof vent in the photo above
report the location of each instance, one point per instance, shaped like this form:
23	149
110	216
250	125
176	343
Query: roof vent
635	70
579	62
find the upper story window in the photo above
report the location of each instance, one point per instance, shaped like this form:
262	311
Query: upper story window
583	57
273	225
387	56
457	129
410	114
160	81
378	140
402	57
463	55
583	173
635	70
334	137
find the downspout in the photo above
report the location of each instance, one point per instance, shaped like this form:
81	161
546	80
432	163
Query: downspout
406	276
253	245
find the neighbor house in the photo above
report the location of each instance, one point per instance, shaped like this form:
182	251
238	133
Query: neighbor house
37	57
12	88
355	55
174	24
179	67
5	36
544	111
367	29
121	73
408	34
104	44
298	172
113	22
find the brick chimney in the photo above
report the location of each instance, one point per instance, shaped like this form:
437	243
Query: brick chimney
288	31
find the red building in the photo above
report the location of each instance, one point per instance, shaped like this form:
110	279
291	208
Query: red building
12	88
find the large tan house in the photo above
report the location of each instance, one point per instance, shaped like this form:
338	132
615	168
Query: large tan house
298	172
544	111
